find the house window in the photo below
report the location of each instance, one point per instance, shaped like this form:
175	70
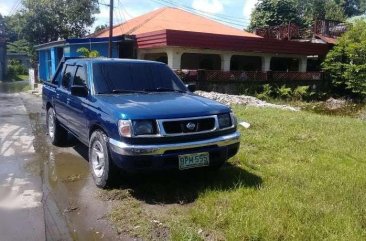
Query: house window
201	61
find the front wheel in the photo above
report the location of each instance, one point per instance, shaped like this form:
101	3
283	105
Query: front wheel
57	134
102	168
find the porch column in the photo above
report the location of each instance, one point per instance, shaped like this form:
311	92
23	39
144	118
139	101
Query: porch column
225	62
266	63
140	55
174	58
303	64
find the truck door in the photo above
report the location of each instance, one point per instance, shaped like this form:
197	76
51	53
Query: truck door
63	95
78	120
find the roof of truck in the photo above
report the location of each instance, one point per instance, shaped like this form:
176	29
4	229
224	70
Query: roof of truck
106	60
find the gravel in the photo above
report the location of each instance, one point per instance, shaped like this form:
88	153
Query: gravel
242	100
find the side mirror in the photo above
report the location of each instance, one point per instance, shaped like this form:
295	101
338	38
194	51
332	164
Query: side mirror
191	87
79	90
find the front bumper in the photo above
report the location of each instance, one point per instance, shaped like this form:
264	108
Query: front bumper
160	149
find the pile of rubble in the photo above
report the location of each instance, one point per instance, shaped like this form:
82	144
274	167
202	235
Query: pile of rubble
242	100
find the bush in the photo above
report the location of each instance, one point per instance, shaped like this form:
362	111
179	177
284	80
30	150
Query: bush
266	93
284	92
84	52
346	63
301	93
15	68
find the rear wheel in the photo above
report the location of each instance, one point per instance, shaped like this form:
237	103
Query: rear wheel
102	167
57	134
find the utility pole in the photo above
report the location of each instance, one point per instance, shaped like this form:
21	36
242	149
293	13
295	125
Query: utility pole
110	29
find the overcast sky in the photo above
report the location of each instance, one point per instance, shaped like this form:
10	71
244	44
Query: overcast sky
231	12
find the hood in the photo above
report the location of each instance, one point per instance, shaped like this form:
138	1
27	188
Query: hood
160	105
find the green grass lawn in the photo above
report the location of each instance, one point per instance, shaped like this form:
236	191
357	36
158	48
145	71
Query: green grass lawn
298	176
19	77
14	86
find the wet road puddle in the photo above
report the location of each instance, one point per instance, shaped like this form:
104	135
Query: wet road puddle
72	208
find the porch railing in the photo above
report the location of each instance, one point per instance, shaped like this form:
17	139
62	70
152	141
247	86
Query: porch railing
235	76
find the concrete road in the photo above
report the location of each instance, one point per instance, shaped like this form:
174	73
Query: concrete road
46	192
21	209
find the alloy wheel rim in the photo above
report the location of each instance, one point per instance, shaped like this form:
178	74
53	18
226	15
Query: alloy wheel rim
51	125
97	158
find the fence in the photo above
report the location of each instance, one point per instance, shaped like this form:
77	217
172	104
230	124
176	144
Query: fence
242	76
238	82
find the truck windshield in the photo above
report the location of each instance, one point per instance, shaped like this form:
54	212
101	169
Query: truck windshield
120	77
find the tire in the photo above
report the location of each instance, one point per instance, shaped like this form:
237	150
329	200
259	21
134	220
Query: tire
101	165
57	134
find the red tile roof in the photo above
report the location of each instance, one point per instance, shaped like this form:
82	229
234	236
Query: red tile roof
328	40
173	19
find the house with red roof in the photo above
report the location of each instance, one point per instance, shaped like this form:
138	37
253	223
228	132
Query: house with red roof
185	40
188	41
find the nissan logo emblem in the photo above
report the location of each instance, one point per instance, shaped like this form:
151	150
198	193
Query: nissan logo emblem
190	126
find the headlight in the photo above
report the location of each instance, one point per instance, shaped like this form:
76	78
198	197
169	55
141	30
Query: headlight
124	128
226	120
144	127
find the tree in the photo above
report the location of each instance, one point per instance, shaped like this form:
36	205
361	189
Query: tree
100	28
13	27
43	21
19	46
353	7
346	62
275	12
84	52
303	12
2	26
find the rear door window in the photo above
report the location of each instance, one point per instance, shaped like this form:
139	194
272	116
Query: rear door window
68	76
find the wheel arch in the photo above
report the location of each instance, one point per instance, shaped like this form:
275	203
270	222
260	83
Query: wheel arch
96	126
48	105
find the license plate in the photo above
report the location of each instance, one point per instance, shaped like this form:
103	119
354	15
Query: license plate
194	160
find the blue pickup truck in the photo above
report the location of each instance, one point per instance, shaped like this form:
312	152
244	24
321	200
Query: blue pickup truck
136	115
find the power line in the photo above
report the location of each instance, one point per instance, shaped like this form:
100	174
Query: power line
15	7
222	17
123	19
214	17
204	12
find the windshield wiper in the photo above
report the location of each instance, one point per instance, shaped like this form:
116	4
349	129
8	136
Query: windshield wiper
118	91
163	89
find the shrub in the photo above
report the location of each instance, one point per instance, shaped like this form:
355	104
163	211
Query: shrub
284	92
266	93
15	68
301	93
346	63
88	53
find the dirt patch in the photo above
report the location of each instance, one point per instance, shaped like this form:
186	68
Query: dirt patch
114	194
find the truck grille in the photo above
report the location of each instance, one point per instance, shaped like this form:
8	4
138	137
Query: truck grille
186	126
